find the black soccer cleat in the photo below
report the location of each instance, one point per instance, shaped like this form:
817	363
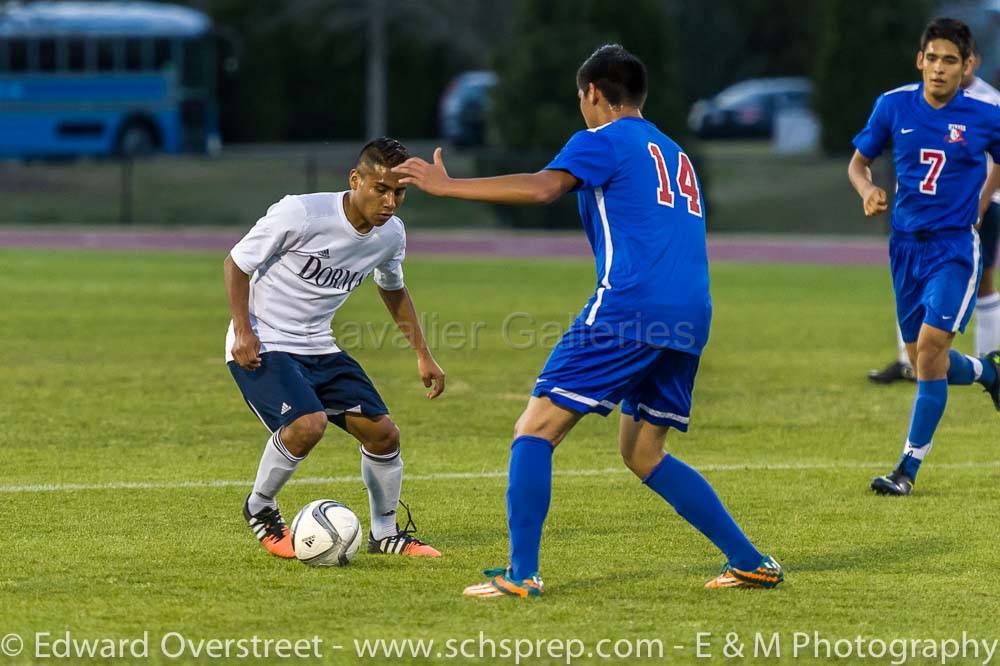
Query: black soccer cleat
894	372
993	358
894	483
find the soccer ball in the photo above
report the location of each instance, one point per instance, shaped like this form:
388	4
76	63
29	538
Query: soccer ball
325	533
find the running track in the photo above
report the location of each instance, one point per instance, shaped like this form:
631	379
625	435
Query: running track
721	247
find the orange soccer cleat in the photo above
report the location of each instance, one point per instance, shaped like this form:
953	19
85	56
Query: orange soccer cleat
766	576
502	584
402	542
269	528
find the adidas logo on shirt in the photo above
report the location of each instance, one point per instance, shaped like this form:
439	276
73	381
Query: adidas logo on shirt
285	408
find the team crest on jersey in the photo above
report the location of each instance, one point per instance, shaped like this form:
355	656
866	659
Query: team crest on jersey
956	133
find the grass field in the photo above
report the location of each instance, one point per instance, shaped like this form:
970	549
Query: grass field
128	452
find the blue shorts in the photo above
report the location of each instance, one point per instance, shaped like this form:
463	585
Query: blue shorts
591	372
989	235
935	276
287	386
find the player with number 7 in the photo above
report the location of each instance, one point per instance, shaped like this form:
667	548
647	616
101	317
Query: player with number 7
940	136
638	339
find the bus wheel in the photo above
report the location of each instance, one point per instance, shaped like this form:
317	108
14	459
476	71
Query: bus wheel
135	140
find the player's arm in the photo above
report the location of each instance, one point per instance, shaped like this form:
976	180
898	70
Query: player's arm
986	196
542	187
860	174
246	348
404	313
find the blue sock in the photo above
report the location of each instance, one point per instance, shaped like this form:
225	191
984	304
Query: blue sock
928	408
962	370
694	499
529	489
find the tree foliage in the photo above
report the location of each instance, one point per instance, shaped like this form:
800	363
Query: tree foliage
865	49
302	63
536	105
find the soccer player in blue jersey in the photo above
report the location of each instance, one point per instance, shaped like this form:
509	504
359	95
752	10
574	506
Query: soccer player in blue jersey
940	136
639	338
986	336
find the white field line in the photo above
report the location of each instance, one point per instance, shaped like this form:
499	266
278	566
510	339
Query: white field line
452	476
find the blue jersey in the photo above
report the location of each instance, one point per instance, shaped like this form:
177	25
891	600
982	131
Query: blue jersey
642	209
939	154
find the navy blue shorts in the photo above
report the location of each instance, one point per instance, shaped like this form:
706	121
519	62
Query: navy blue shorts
935	277
590	372
989	235
287	386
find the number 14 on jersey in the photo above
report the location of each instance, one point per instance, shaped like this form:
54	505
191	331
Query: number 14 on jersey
687	183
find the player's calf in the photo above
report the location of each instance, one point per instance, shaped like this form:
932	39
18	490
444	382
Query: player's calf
382	472
277	465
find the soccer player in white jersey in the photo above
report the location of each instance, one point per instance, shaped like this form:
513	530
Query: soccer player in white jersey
285	280
987	327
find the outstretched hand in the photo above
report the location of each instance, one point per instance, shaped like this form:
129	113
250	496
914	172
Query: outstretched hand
431	178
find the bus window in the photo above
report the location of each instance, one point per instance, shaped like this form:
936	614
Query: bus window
17	57
196	63
133	55
47	55
76	59
105	55
163	53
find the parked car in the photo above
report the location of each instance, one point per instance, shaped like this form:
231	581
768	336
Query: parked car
747	109
464	106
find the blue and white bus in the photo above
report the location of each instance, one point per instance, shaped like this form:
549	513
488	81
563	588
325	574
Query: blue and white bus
106	78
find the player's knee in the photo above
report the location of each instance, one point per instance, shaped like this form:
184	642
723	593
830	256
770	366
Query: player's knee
385	441
539	423
931	349
641	463
304	432
629	458
539	428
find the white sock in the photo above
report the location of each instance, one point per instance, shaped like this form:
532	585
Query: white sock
383	476
918	452
904	358
987	324
276	466
977	367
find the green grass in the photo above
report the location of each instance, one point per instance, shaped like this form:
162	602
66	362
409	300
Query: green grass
112	372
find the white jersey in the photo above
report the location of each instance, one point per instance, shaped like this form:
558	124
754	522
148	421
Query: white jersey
987	93
305	259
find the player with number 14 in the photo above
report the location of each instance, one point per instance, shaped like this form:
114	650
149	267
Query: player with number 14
638	339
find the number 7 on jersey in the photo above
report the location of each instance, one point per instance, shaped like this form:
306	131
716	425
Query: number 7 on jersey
936	158
687	183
